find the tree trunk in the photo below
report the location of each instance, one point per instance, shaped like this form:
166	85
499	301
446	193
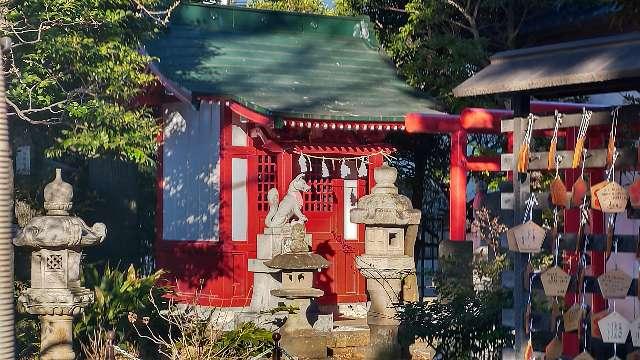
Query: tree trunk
7	337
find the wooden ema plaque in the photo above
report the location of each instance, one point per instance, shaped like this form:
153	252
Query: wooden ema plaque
555	281
614	328
511	242
634	355
635	332
595	204
634	194
584	356
572	317
559	196
528	237
553	350
595	330
614	284
613	198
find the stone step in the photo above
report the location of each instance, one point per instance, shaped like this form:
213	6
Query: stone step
349	353
349	337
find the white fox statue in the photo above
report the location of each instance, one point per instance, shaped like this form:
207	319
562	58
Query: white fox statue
281	212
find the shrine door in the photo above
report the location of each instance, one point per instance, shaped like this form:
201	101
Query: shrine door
338	240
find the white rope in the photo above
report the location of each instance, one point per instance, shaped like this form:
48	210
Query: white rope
528	213
584	122
385	154
558	116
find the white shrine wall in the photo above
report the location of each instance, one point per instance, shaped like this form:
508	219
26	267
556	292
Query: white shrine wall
191	171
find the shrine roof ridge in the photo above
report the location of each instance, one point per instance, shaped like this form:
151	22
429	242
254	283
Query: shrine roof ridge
284	64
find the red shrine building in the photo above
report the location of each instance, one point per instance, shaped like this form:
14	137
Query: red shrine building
250	99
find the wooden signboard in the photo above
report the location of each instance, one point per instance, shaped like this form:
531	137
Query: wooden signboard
528	237
614	284
584	356
572	317
635	332
553	350
555	281
614	328
613	198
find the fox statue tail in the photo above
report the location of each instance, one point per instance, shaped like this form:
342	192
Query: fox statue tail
273	197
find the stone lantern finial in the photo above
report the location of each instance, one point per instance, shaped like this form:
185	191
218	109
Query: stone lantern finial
58	195
385	177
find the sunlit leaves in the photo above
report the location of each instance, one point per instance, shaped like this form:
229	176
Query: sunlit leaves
86	56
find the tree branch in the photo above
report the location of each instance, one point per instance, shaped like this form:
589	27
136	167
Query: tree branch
25	114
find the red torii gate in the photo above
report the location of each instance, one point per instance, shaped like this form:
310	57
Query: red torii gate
479	120
471	120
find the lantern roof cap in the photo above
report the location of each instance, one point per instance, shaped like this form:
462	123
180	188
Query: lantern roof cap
384	206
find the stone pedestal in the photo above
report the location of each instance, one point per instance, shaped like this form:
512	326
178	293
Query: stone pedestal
265	278
384	276
273	242
56	337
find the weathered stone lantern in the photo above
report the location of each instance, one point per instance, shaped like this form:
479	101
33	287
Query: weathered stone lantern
55	293
298	266
390	230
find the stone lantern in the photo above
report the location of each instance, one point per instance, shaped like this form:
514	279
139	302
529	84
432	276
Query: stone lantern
55	293
298	266
390	232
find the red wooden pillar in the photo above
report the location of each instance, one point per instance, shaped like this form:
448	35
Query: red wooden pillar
284	167
570	258
598	303
458	186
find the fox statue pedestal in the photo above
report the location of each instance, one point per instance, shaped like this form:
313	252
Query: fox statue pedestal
265	278
274	241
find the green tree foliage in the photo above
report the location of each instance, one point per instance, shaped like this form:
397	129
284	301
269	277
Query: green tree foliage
303	6
76	67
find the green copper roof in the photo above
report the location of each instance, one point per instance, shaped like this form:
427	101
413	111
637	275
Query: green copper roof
285	64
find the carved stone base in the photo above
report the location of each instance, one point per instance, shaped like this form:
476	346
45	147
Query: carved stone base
54	301
299	320
383	342
56	341
306	344
263	283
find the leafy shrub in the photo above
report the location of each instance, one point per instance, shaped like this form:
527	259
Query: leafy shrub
457	327
465	320
116	294
192	332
